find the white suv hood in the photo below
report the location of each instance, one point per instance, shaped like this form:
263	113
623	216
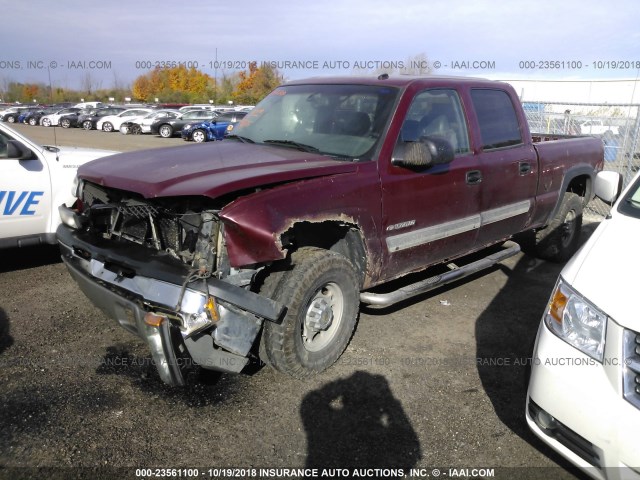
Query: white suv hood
607	270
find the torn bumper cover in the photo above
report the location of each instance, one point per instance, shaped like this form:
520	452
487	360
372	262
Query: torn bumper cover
205	321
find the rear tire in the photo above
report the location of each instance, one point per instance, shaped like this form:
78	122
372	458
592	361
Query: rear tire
559	240
322	296
165	131
107	127
65	123
87	125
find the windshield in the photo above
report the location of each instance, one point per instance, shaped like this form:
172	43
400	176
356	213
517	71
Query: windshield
338	120
630	204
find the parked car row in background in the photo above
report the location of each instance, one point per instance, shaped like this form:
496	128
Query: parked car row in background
199	123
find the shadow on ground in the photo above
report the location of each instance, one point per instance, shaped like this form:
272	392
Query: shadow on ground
356	422
203	388
505	337
6	340
28	257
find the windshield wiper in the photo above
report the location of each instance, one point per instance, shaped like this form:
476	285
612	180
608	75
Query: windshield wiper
241	138
291	143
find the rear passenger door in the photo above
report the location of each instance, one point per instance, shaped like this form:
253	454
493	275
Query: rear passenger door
508	165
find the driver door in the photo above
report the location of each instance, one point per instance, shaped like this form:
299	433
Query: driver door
25	194
432	214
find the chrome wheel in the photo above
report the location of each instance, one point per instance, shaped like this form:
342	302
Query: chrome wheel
323	317
166	131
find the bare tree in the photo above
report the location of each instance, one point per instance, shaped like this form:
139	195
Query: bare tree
414	65
89	84
417	65
4	87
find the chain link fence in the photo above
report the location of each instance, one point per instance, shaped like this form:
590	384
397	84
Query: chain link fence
618	125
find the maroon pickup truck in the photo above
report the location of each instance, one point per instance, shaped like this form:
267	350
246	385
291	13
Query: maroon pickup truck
263	246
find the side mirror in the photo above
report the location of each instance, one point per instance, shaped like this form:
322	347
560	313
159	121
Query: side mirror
608	186
422	154
17	150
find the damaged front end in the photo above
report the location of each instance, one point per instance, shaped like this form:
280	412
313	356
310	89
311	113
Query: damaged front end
159	267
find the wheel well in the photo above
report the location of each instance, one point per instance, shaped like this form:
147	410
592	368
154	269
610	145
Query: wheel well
581	185
343	238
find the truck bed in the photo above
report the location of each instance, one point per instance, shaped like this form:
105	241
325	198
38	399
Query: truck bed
563	157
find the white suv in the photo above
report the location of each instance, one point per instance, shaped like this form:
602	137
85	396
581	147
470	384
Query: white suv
584	390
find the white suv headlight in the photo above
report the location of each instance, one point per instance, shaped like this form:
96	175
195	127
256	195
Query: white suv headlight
576	320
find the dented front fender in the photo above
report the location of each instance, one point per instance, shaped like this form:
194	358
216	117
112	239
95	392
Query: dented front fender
258	226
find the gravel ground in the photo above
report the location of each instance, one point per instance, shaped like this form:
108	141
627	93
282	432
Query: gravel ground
439	381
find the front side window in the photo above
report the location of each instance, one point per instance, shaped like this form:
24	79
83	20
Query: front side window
4	139
342	121
630	204
497	119
437	113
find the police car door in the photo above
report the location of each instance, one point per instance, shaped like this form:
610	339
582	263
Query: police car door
25	195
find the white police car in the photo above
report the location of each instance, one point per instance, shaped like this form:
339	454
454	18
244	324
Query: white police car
34	181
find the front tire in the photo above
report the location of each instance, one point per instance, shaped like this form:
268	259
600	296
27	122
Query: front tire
65	123
33	122
87	125
322	296
46	122
559	240
199	136
107	127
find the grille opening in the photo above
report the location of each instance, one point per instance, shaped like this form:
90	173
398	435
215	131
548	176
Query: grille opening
183	228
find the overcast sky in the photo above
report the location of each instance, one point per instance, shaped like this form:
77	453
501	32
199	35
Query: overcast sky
68	35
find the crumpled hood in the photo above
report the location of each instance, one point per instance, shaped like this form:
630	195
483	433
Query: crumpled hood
209	169
605	270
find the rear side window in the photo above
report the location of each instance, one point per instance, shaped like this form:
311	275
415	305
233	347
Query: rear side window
497	119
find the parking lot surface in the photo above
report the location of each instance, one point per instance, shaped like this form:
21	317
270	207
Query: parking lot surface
436	382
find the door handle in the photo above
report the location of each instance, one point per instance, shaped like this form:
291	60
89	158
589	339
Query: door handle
524	167
473	177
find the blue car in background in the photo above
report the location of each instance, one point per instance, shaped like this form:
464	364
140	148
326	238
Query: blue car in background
24	114
32	117
212	130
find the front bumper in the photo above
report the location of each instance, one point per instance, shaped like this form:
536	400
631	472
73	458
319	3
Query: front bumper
575	404
128	282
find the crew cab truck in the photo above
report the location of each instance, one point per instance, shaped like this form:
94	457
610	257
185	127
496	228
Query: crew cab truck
34	181
264	245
